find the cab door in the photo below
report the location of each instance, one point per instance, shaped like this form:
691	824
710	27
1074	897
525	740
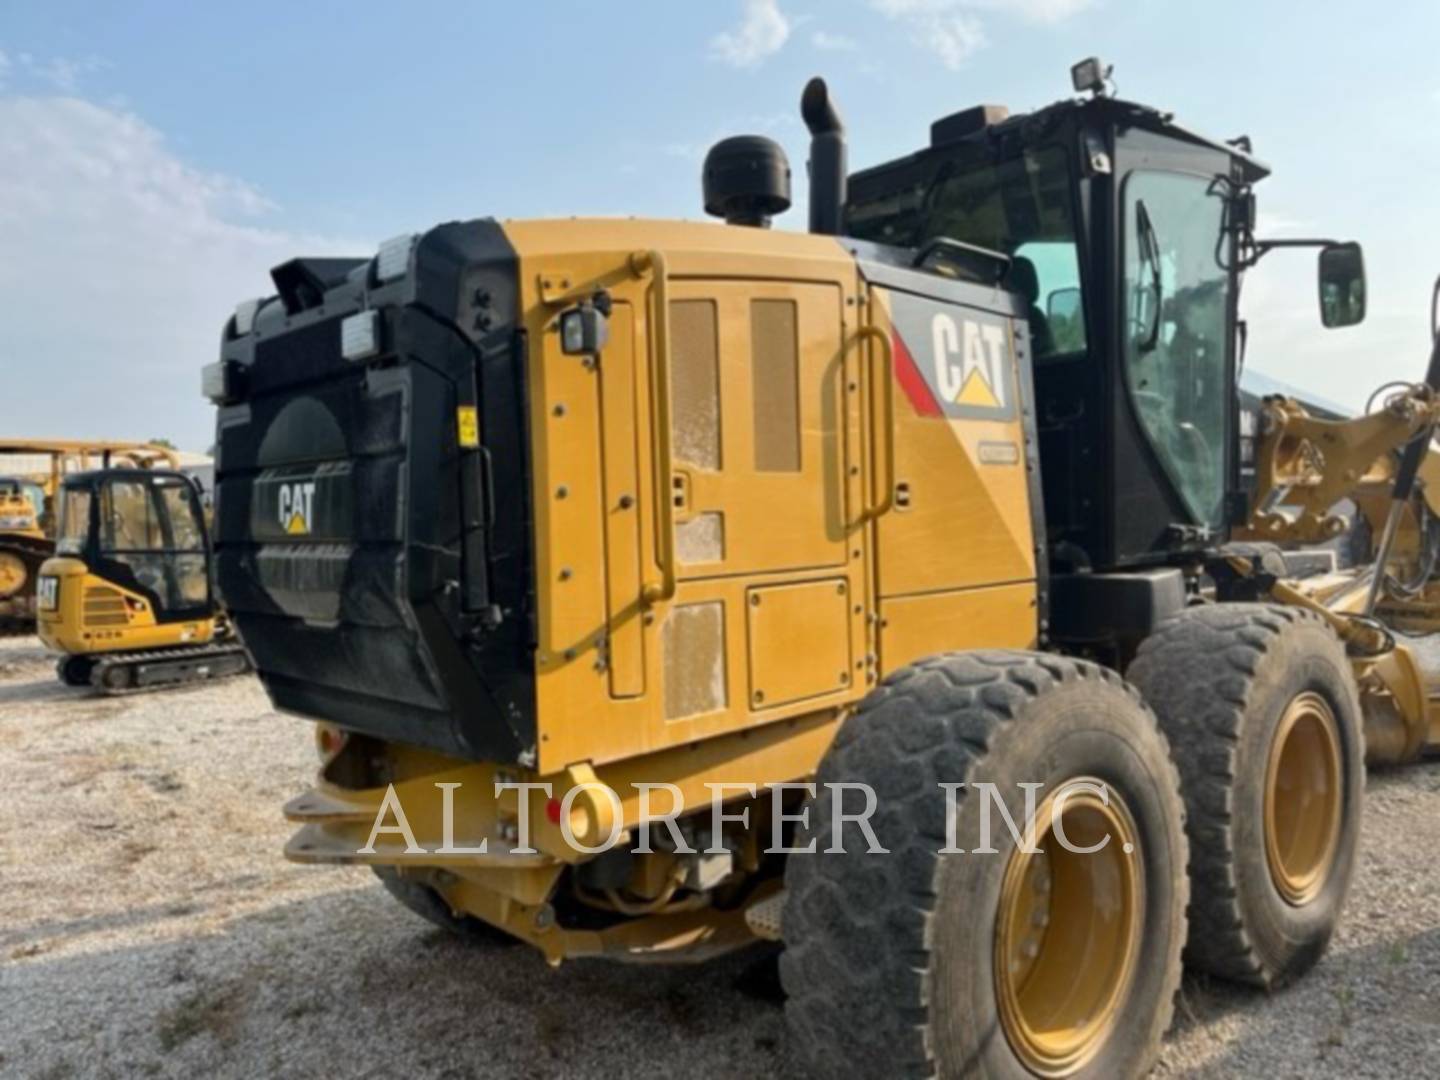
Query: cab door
152	541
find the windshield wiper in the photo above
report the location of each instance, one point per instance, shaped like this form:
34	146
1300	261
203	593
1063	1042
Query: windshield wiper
1150	252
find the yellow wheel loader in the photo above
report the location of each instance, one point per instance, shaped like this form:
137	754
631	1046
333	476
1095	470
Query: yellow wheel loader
22	541
128	600
27	516
660	588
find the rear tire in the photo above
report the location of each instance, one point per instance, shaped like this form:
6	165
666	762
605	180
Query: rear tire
903	964
1260	705
431	906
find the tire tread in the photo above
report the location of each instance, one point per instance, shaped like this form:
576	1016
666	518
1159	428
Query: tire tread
962	703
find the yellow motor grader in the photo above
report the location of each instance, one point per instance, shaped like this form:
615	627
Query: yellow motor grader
660	588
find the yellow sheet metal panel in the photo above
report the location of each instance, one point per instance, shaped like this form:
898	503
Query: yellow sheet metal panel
962	513
1000	617
774	356
813	615
695	383
693	646
774	520
701	539
692	246
747	513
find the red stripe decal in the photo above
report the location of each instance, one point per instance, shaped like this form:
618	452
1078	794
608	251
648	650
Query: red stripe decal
910	379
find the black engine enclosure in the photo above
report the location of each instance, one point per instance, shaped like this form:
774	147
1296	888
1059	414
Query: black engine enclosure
378	570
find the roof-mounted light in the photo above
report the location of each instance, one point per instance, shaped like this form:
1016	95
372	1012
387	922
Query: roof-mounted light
360	336
220	381
245	315
1090	76
393	260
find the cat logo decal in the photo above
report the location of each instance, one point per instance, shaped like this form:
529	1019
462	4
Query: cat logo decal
953	361
297	506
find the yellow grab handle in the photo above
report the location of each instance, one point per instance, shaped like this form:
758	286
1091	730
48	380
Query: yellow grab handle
653	262
883	426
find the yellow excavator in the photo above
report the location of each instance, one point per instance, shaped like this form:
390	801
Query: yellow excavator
127	600
31	471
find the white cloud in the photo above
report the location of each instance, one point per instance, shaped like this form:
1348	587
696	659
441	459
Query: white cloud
953	38
953	29
122	263
940	26
828	42
1035	11
762	32
60	72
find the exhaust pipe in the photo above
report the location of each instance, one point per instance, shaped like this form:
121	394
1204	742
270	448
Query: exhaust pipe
827	158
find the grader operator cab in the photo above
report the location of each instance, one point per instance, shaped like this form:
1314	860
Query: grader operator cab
128	601
558	527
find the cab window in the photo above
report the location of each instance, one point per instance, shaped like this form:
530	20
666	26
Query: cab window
152	526
129	521
74	520
1022	207
1176	300
178	505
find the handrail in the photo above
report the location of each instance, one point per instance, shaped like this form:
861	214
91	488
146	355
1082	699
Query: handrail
653	262
884	427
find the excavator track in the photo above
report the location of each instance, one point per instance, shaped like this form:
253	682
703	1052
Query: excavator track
118	674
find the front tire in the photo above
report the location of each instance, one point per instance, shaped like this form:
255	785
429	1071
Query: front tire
1261	707
922	963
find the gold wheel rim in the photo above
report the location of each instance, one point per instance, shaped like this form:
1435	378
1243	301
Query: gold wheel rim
1302	799
13	574
1068	929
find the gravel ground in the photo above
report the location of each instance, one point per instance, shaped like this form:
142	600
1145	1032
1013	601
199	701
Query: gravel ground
149	926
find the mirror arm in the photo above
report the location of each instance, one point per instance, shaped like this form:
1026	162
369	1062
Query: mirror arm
1435	312
1264	247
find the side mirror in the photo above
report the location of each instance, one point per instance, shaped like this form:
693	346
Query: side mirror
1342	285
1063	304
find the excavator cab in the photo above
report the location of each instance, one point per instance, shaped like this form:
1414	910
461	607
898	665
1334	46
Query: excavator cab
131	576
141	530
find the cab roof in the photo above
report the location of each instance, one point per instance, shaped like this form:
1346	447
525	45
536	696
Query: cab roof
995	126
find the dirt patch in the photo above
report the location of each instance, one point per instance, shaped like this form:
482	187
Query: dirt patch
149	926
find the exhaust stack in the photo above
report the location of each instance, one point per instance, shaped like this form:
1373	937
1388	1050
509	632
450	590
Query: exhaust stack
827	158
